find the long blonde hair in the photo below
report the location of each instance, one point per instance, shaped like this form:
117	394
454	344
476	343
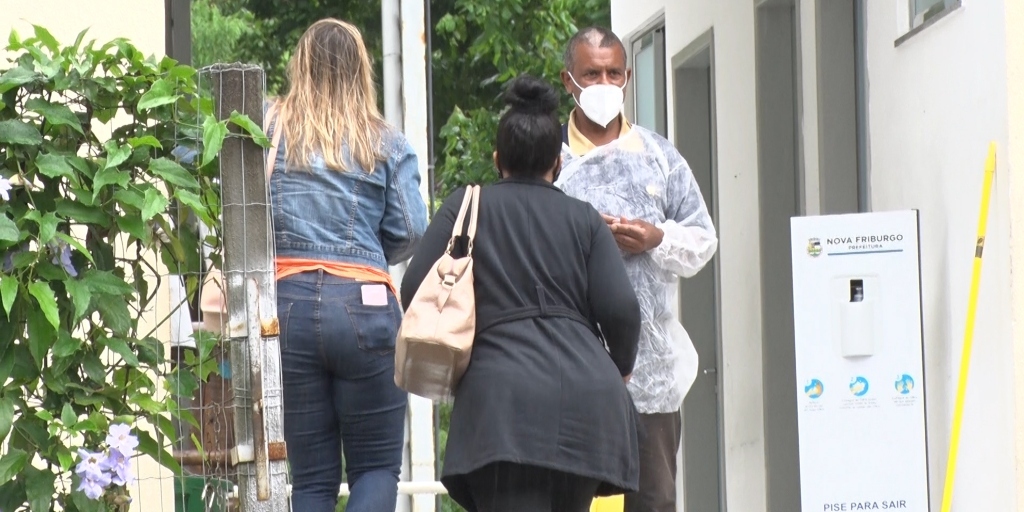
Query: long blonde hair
331	101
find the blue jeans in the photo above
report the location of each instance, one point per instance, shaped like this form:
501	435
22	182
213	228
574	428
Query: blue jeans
338	368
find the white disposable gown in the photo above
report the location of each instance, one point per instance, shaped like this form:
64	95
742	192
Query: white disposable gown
642	176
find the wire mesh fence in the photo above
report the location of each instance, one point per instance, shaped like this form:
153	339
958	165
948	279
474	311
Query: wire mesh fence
215	310
230	445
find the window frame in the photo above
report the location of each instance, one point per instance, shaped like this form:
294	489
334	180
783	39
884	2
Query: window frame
937	12
652	34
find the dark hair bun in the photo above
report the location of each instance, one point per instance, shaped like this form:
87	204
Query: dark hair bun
530	95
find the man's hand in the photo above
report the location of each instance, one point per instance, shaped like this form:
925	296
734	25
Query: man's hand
634	236
626	378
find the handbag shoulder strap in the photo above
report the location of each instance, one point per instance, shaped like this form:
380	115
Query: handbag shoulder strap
470	201
474	214
272	112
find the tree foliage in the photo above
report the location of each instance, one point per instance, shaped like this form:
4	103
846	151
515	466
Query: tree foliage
478	46
486	44
92	206
220	33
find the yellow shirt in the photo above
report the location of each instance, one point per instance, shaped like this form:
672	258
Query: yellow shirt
580	145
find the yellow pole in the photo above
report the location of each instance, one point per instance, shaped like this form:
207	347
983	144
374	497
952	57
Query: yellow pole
972	308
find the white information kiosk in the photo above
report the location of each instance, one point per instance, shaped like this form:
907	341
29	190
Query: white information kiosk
859	362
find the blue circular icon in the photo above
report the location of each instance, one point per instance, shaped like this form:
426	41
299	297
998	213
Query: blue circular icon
859	386
814	389
905	384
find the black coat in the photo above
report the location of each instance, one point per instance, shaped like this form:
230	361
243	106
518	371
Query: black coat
541	389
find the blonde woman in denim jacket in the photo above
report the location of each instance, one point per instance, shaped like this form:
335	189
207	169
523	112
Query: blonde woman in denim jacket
346	204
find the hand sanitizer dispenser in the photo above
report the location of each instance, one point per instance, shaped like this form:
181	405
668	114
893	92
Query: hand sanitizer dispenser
857	318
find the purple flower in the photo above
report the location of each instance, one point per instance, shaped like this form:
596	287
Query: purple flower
93	466
121	439
8	264
92	488
5	188
62	257
121	468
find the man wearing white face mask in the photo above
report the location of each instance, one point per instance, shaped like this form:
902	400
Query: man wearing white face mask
647	194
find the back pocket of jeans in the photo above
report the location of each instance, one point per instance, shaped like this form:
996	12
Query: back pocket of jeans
283	315
376	327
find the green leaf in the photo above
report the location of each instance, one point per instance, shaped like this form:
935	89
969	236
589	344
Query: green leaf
160	93
68	416
47	302
78	40
53	166
80	294
64	457
172	173
80	213
8	229
77	245
84	504
121	347
47	227
6	417
94	369
213	138
182	72
147	403
14	40
199	446
41	336
147	140
109	176
16	77
12	463
243	122
116	155
106	283
47	39
194	202
153	203
87	425
8	292
66	344
151	351
55	113
7	364
181	382
82	165
14	131
149	446
134	226
44	415
115	315
39	487
130	197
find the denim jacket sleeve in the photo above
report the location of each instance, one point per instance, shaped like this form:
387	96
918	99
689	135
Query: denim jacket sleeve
405	213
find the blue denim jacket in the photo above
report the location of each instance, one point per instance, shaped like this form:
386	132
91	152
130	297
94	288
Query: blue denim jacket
355	216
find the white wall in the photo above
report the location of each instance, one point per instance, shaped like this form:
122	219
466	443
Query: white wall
140	21
1013	160
934	104
733	23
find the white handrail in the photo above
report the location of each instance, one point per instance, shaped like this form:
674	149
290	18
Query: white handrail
406	488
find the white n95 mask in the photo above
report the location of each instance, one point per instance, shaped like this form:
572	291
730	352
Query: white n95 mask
601	103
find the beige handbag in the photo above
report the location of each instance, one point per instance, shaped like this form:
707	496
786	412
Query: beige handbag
436	337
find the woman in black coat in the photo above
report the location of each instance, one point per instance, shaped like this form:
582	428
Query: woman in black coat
542	421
